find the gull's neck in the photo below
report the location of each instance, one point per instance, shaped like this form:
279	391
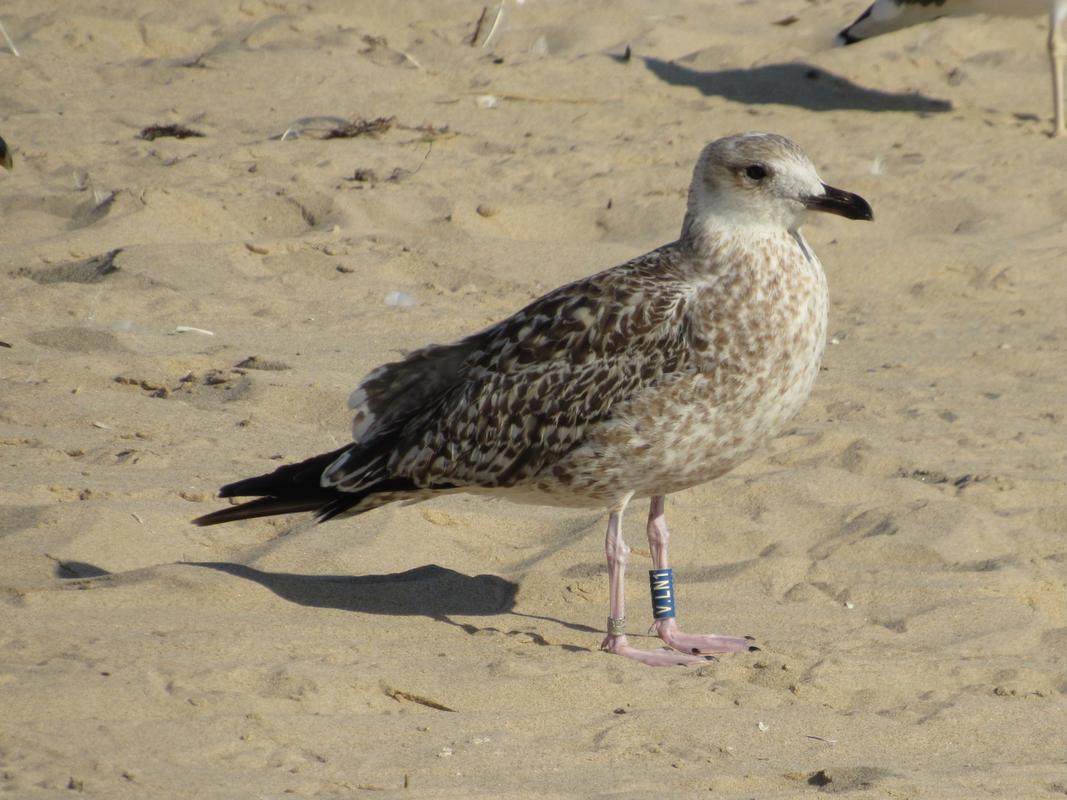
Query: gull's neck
707	232
717	240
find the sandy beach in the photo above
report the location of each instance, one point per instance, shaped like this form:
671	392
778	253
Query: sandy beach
900	553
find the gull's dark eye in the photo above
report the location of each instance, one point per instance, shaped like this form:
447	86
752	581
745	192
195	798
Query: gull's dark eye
756	172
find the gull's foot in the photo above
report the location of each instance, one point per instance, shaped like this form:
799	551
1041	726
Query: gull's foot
696	644
662	657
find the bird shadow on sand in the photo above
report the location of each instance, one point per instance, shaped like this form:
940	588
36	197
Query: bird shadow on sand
792	84
430	591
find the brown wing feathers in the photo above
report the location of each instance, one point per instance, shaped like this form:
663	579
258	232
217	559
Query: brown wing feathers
493	409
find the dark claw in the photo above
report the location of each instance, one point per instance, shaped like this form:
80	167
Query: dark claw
710	658
751	638
754	649
695	651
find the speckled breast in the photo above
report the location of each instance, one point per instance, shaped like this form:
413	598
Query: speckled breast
757	337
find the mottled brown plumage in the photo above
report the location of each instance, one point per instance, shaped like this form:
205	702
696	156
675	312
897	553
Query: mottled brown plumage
647	378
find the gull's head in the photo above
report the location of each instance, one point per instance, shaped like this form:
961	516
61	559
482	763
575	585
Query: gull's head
761	180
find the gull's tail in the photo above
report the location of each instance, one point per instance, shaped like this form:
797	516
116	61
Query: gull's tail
298	487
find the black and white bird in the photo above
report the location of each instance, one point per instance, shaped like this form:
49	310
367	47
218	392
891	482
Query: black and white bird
892	15
648	378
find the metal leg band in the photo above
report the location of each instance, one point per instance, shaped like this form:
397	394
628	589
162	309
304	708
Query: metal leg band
661	582
616	626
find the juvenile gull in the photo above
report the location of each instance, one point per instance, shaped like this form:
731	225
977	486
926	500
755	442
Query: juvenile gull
884	16
645	379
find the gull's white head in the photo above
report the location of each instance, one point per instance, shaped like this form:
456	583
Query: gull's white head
761	180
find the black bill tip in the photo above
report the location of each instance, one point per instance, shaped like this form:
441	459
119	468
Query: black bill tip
840	202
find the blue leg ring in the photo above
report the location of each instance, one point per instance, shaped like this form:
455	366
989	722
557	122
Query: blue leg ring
662	584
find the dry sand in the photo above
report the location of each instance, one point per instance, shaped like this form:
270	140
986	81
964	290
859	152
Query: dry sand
899	553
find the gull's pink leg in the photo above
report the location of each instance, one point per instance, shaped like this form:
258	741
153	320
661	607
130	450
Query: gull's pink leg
615	642
1056	51
667	629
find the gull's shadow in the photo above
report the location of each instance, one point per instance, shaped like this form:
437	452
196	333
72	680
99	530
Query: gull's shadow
792	84
430	590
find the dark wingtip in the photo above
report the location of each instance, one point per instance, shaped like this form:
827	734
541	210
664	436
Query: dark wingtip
846	37
260	507
214	518
231	514
296	488
258	486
